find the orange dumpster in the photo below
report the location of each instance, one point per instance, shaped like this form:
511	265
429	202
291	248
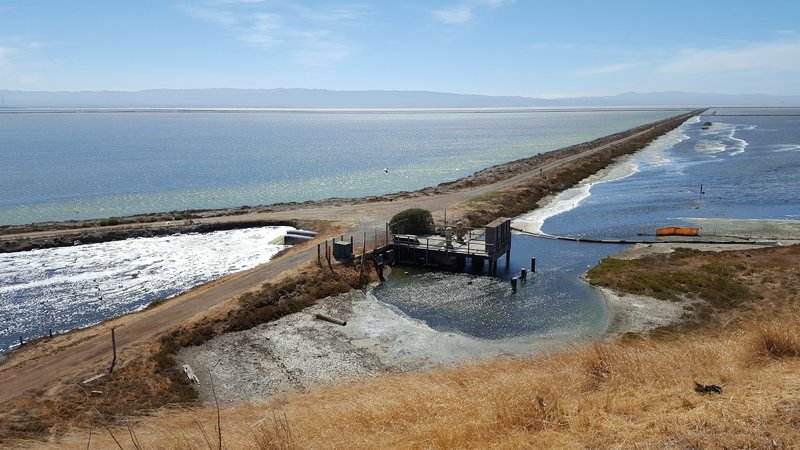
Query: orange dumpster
678	231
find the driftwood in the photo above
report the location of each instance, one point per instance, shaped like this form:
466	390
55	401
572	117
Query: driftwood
330	319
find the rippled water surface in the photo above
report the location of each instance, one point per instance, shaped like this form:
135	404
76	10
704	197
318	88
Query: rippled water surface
71	287
553	302
89	164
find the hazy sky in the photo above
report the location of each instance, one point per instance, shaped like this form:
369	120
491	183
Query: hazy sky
547	48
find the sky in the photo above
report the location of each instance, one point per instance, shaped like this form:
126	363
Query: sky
543	48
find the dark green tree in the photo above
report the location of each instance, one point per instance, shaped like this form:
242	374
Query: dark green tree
412	221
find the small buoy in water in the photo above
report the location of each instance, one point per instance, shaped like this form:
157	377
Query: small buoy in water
386	169
406	273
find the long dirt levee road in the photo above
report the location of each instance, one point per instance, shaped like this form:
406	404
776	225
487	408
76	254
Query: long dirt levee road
86	352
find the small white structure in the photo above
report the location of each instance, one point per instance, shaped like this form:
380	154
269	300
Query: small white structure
190	374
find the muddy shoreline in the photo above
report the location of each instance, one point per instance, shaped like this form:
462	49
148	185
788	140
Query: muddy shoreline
300	353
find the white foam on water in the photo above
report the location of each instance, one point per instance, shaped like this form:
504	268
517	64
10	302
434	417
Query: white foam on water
785	148
739	145
561	203
571	198
721	137
71	287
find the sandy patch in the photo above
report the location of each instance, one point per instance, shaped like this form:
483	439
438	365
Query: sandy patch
637	313
784	232
642	250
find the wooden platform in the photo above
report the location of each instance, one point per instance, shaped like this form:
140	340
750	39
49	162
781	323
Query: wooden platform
479	245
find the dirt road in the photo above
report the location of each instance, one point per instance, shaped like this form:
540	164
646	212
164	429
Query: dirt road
86	352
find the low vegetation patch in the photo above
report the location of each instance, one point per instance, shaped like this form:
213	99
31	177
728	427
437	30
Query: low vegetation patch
274	301
660	277
754	280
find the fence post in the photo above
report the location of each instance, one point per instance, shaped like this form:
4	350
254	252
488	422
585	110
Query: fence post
114	350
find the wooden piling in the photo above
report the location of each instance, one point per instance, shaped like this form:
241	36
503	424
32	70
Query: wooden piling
380	272
114	350
533	265
514	285
523	273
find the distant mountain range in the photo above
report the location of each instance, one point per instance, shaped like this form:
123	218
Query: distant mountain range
322	98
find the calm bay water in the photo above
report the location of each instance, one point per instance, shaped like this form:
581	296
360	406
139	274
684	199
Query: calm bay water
90	164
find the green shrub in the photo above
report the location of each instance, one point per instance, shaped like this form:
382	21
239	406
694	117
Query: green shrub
412	221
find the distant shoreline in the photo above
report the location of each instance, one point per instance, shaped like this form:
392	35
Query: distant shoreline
326	98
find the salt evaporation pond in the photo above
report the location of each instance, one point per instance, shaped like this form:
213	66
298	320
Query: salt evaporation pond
73	287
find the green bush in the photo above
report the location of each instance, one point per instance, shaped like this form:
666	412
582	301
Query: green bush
412	221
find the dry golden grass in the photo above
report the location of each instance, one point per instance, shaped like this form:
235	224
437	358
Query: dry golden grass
622	394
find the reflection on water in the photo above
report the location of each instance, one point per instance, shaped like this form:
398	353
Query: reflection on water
554	300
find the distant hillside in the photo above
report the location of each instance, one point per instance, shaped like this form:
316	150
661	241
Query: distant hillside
687	99
321	98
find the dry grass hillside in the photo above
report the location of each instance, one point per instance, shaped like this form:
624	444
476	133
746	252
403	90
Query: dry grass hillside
633	392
